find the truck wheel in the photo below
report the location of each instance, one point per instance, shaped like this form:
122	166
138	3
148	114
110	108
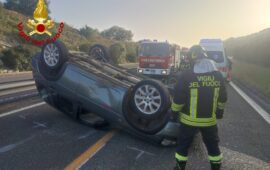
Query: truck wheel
52	58
146	106
99	53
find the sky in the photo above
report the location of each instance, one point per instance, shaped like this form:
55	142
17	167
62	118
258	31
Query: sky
183	22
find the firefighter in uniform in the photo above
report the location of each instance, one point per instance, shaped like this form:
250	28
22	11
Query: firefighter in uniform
199	101
185	64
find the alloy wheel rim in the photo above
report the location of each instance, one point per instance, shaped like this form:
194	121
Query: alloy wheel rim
147	99
51	55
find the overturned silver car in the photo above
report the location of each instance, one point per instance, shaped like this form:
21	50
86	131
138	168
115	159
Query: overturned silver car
82	85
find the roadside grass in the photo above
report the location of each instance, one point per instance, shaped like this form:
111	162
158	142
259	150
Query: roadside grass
254	75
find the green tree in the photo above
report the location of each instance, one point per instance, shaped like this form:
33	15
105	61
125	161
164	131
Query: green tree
18	58
131	48
88	32
1	8
9	59
117	33
26	7
118	53
84	47
1	64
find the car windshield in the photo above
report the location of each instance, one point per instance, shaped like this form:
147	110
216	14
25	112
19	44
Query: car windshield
217	56
155	49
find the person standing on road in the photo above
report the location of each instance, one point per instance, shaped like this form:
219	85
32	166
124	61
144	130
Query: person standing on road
199	100
185	64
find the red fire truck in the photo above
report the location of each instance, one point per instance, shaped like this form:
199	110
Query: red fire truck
158	58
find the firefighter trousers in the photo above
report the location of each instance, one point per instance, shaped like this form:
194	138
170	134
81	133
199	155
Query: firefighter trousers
210	139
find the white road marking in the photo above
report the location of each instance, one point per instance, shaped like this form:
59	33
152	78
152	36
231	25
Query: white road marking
22	109
86	135
22	116
13	146
252	103
141	152
39	125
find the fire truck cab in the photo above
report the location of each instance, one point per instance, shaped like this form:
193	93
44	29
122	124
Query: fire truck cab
158	58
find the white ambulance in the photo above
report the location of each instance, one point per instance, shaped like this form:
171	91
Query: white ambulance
216	52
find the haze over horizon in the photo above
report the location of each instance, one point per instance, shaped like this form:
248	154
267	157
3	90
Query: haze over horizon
183	22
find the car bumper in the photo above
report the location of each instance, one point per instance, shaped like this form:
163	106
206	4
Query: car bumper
150	71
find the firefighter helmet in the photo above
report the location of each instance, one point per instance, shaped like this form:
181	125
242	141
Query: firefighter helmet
196	52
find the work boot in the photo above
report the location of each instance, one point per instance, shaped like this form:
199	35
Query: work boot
215	166
180	165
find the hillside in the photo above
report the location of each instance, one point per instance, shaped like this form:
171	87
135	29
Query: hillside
9	33
251	65
18	57
254	48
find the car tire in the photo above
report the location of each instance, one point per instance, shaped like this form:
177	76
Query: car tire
100	53
52	58
147	112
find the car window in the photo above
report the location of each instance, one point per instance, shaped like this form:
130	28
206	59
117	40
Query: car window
217	56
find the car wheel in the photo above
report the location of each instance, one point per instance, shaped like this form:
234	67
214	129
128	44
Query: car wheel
99	53
146	106
52	58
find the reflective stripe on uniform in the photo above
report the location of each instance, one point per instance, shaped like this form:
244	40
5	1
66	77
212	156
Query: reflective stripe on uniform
192	120
180	157
221	105
193	103
202	120
215	158
198	124
177	107
215	100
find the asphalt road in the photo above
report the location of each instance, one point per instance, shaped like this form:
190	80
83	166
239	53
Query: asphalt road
44	138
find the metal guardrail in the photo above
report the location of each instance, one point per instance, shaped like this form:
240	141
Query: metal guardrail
9	88
15	81
7	73
12	85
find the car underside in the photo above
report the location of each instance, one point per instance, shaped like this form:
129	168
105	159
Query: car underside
90	89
